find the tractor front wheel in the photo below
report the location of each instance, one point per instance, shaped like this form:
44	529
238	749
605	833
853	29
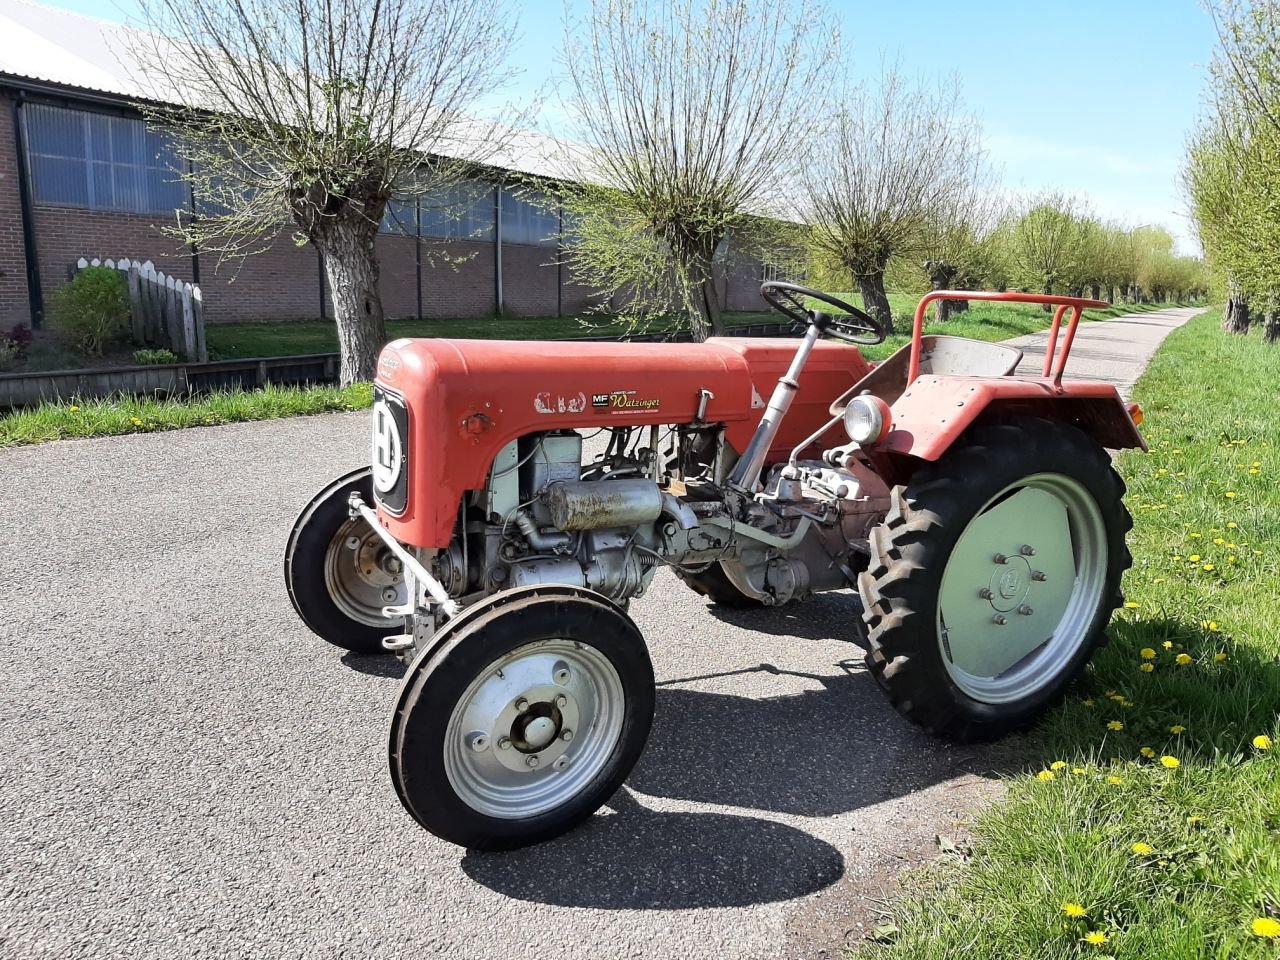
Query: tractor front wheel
339	573
523	718
993	577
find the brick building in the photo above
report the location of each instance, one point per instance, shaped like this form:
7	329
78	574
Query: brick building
82	176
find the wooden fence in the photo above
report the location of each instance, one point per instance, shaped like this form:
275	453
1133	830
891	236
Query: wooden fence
164	312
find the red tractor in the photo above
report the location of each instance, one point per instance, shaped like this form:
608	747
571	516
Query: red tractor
522	494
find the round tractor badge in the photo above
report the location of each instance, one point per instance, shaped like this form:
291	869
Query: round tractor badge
387	448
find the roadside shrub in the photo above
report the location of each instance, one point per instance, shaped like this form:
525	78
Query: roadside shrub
22	336
92	310
155	356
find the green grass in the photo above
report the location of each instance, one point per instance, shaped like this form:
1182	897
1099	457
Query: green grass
238	340
1207	490
101	418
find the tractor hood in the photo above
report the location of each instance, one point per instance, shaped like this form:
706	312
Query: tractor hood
455	403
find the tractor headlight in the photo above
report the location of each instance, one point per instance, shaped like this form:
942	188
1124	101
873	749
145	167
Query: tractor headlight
866	420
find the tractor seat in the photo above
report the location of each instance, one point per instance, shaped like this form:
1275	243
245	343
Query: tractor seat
939	356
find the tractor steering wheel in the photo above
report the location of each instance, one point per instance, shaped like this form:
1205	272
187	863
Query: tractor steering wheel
789	300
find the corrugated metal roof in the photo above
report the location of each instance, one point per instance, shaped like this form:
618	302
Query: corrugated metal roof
54	46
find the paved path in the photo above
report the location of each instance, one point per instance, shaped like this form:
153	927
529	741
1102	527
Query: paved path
1116	351
186	772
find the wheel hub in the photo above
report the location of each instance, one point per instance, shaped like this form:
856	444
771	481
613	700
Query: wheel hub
1010	584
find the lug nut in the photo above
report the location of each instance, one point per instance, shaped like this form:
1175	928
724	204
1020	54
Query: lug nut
1028	550
1000	558
531	761
477	741
560	672
1038	575
999	620
388	595
522	705
504	743
1025	610
985	593
567	736
561	762
353	543
561	700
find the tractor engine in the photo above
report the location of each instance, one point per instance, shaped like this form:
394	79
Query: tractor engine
552	514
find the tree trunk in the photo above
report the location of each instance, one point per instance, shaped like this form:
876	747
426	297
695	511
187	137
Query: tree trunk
942	275
1271	328
1236	317
351	265
1095	291
874	300
710	320
1048	292
1111	293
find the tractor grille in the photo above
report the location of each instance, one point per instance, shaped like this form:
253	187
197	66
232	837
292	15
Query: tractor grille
390	453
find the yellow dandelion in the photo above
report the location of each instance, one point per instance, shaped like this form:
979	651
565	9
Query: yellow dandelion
1182	659
1045	776
1193	535
1265	927
1262	742
1175	450
1147	752
1146	653
1219	541
1232	525
1087	703
1194	821
73	408
1147	667
1230	494
1177	729
1131	605
1219	657
1057	765
135	421
1210	625
1168	644
1074	910
1115	725
1142	849
1207	567
1095	937
1115	781
1177	556
1173	763
1194	558
1078	771
1256	463
1254	471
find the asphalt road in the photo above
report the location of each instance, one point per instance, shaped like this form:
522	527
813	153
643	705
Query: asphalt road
185	771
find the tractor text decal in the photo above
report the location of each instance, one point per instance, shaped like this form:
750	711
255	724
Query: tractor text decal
559	403
623	401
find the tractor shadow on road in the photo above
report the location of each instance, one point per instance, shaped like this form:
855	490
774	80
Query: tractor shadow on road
636	858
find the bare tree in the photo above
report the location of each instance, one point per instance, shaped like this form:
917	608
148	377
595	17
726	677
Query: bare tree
890	161
314	113
692	113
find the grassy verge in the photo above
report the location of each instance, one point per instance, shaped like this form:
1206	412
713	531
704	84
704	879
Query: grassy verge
1154	809
102	418
237	340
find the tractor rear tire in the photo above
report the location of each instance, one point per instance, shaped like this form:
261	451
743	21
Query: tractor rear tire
993	577
718	588
339	591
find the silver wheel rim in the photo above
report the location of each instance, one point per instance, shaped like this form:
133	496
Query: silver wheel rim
534	729
1022	588
361	575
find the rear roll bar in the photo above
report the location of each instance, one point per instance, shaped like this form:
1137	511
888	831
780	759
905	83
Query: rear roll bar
1077	306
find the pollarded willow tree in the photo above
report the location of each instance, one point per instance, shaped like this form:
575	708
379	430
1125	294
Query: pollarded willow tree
1047	242
691	114
1232	170
889	162
313	114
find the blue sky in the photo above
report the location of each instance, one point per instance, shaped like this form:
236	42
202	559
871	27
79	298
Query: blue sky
1091	97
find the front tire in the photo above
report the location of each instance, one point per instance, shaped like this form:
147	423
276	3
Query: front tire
523	718
339	573
993	577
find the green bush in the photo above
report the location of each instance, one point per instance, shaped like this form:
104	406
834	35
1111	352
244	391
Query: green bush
155	356
9	351
92	310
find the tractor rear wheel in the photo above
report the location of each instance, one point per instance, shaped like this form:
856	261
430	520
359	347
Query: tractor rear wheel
993	577
523	717
339	573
